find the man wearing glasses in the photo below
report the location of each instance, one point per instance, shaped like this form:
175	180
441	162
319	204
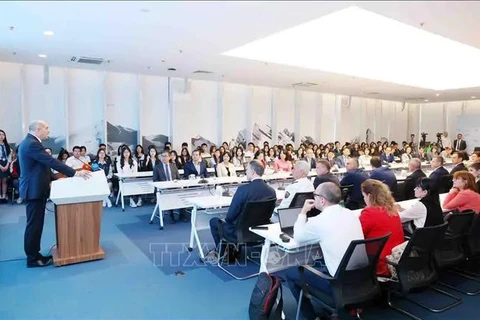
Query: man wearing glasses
335	227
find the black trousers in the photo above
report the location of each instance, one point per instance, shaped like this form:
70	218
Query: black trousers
34	228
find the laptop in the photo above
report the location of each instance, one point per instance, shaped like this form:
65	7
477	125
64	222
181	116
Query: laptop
287	218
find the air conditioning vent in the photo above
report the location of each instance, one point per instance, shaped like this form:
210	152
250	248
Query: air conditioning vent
87	60
202	72
304	84
414	99
371	92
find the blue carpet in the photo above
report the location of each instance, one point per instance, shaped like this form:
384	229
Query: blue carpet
139	277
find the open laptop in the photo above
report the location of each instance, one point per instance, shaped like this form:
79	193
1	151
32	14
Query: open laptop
287	218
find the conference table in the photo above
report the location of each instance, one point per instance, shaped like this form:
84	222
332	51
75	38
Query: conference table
291	251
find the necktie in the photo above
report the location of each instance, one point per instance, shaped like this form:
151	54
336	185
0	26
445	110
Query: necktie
167	172
458	144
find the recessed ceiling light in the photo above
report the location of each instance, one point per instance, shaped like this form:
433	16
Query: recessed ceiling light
304	46
41	55
426	100
48	33
438	94
473	97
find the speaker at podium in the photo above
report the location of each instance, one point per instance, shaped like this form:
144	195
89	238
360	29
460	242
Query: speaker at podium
78	217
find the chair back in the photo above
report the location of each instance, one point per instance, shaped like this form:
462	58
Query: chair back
445	183
450	251
415	267
256	213
346	191
299	199
399	194
473	240
356	280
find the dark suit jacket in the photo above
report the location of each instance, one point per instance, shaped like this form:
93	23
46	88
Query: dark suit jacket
458	167
354	177
313	162
463	145
160	175
437	174
35	165
256	190
388	159
190	169
385	175
411	183
329	177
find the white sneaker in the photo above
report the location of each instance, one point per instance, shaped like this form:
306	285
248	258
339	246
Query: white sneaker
19	200
104	203
140	202
132	203
109	203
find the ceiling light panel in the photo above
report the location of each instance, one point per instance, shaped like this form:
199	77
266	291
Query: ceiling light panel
360	43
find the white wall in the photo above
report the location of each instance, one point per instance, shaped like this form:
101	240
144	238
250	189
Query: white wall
150	109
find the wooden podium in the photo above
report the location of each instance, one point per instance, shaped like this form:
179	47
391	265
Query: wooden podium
78	216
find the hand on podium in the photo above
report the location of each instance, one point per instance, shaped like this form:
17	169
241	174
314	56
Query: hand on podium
83	173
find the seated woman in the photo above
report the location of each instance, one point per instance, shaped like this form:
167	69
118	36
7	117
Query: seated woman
260	157
238	159
425	213
151	159
364	159
474	169
185	157
106	166
464	193
215	159
175	159
380	217
128	165
281	163
226	168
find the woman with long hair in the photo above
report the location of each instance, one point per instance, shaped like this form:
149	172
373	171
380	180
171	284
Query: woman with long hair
474	169
106	166
464	193
175	159
379	218
427	212
4	165
128	165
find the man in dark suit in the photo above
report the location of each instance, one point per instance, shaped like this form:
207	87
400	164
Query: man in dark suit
341	161
310	158
414	166
256	190
438	170
457	159
384	174
324	174
166	171
459	144
196	167
354	177
35	165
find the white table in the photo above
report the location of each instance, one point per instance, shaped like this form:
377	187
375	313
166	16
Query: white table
133	184
209	202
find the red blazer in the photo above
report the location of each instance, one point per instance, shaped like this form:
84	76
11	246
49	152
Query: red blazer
463	200
376	223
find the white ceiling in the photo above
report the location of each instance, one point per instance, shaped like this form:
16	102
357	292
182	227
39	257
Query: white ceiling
191	36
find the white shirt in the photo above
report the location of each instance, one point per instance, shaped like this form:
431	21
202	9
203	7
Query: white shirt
417	213
249	154
334	228
126	167
364	160
74	163
300	185
222	170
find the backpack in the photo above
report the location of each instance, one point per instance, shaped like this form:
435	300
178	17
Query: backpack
266	301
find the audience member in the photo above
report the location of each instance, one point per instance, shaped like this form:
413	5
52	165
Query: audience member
256	190
226	168
354	177
76	161
474	169
103	164
387	156
457	159
341	161
415	167
196	167
281	163
459	144
364	159
464	193
5	160
151	159
383	174
128	165
300	173
379	218
325	228
310	158
438	170
324	174
427	212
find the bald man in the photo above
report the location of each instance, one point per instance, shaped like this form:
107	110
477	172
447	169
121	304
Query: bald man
415	167
35	164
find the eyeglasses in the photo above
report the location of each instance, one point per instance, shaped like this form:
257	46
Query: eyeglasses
317	195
